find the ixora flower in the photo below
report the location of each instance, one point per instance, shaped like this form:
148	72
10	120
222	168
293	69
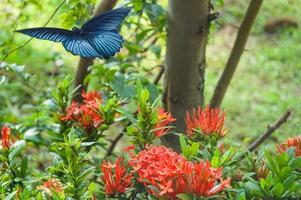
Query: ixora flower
166	174
294	142
115	177
208	121
6	140
51	184
164	118
85	114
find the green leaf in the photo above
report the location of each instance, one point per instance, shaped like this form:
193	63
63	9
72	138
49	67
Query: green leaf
16	149
215	158
120	86
289	181
269	179
284	172
127	114
86	172
144	95
295	163
194	149
183	144
271	162
241	196
278	189
138	5
87	144
253	187
185	196
24	164
11	196
150	197
263	184
153	92
32	135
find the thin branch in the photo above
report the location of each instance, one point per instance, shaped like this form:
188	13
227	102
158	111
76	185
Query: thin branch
150	44
159	76
113	144
270	130
29	40
236	52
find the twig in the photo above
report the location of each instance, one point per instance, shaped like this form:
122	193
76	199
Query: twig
236	52
270	130
159	76
113	144
29	40
150	44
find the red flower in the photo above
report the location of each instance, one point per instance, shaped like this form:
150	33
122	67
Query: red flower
166	174
6	138
291	143
85	114
208	121
91	96
52	184
164	118
115	177
202	180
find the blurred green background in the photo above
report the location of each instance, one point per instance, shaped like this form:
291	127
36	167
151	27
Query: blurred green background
266	84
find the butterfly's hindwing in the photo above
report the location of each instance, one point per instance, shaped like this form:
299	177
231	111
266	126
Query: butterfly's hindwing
106	43
80	46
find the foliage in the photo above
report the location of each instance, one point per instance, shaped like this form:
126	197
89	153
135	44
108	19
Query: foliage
56	151
206	168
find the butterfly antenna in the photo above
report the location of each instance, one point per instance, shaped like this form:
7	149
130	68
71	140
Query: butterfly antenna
29	40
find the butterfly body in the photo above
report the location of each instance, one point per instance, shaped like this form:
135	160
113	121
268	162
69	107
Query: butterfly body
79	31
98	37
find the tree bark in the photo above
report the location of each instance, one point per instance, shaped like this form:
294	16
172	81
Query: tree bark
185	61
236	53
83	65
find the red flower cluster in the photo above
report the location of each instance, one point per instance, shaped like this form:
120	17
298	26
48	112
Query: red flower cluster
166	174
164	118
6	140
52	184
85	114
291	143
209	121
115	177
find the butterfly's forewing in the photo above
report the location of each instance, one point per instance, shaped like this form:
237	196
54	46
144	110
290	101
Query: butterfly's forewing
106	43
52	34
110	20
80	46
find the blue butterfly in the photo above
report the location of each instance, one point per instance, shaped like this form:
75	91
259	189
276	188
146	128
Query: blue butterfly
98	37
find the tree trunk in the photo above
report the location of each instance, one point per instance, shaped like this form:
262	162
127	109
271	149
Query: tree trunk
83	65
185	61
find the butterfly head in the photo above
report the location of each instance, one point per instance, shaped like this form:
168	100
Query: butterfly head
78	31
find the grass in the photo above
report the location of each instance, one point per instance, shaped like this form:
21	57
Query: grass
266	82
